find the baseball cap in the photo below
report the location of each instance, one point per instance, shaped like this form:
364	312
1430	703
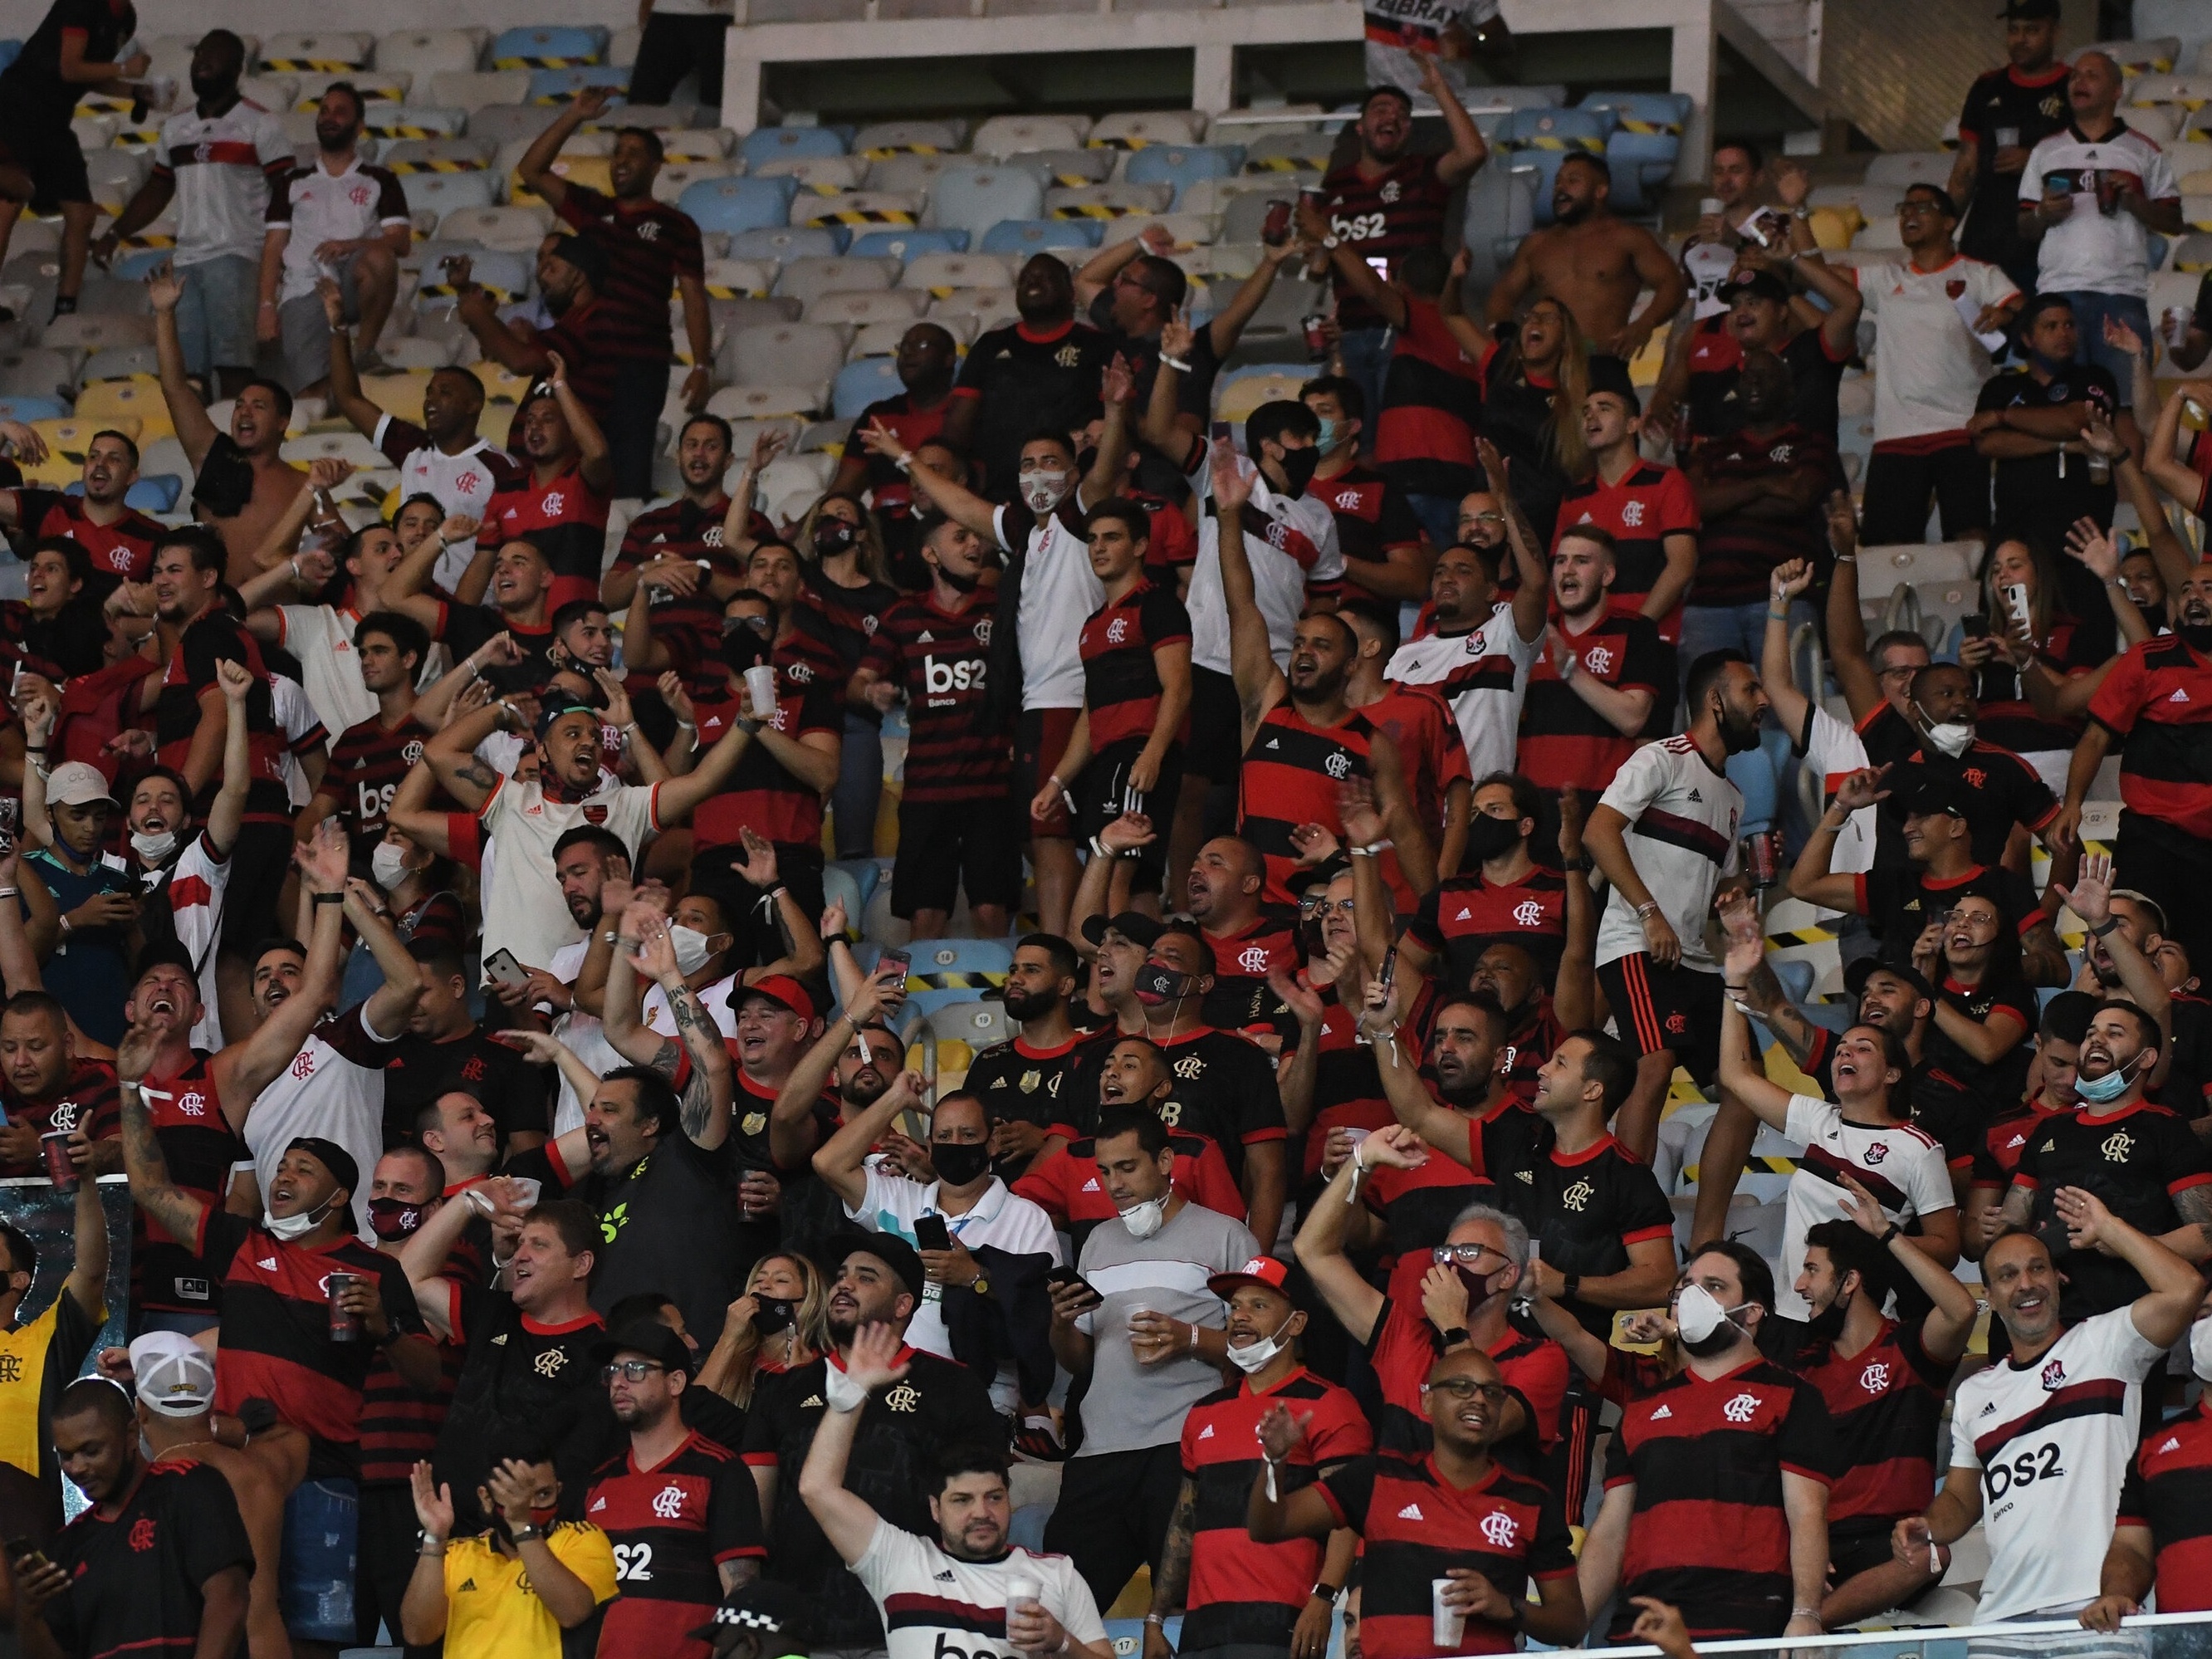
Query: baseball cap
1759	284
1260	1270
785	992
894	1252
174	1377
776	1613
1934	793
650	1338
2029	11
331	1156
1856	974
587	257
77	783
1131	925
558	706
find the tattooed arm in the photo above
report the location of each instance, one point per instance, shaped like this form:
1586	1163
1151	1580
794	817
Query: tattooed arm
453	758
176	1211
1173	1578
709	1092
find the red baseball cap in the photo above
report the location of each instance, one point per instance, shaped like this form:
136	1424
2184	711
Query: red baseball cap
1260	1270
783	989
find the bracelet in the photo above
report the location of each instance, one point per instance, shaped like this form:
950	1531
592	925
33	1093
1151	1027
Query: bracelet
67	928
1804	1613
904	462
10	892
1772	614
1580	866
327	898
524	1533
1847	558
1648	909
1155	1619
1375	847
2106	932
34	748
1325	1590
1098	848
1174	363
608	938
1895	1228
778	890
1573	1286
686	726
432	1547
296	576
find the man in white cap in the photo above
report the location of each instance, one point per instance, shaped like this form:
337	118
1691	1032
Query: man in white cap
38	1359
174	1380
97	902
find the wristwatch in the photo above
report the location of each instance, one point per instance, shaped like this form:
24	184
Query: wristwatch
1456	1335
524	1533
1573	1286
980	1284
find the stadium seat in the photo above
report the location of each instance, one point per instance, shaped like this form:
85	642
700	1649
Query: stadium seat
431	52
322	50
1165	164
29	409
855	209
1537	140
882	339
784	242
975	198
558	86
676	177
1143	129
1023	237
742	403
1882	235
550	46
887	138
271	92
902	244
441	193
767	143
65	445
411	156
113	402
11	49
348	446
2153	54
735	205
1010	135
115	176
96	331
687	143
1644	144
896	306
1239	393
954	1033
823	174
804	277
941	273
505	229
509	123
374	86
38	373
156	494
862	383
917	173
382	119
790	354
944	971
2159	123
120	363
474	90
1067	167
978	308
1290	152
623	44
733	279
506	275
1107	201
1902	167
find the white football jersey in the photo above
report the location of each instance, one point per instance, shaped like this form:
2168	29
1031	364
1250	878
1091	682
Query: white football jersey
1682	817
932	1602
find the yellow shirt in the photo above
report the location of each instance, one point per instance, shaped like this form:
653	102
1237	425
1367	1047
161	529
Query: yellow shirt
491	1612
28	1382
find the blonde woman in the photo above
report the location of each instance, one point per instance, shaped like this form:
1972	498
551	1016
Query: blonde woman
780	1323
1534	385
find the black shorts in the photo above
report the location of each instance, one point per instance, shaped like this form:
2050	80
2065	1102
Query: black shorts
1677	1009
1102	795
1857	1546
1040	742
944	846
1216	748
53	158
259	864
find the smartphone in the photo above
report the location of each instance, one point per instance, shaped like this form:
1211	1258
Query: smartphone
1218	431
501	966
1057	1277
2015	598
931	1232
1976	627
898	959
1390	967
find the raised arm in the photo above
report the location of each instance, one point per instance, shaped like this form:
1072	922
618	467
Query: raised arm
1117	393
536	166
1747	974
791	1119
255	1063
1742	1076
400	978
187	413
1810	877
1529	561
1260	683
1468	150
1776	673
2163	1312
709	1096
1949	1324
593	462
227	811
1320	1243
842	1159
346	395
1847	637
451	757
176	1211
948	496
674	799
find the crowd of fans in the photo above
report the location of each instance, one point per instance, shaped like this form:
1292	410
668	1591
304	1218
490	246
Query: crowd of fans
540	1242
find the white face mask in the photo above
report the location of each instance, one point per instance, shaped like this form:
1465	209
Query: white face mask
1144	1219
1042	489
291	1227
153	849
2200	1349
692	952
1953	737
388	864
1256	1357
1698	1314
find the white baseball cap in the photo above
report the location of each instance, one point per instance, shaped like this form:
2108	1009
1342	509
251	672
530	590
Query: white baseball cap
174	1376
77	783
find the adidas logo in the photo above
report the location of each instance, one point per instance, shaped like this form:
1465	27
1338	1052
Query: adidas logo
2171	1445
1526	1175
267	1264
927	638
945	1577
1664	1411
1464	915
1411	1512
2179	696
1989	1406
998	1083
1206	1433
597	1504
1275	743
811	1400
467	1584
1698	798
500	1342
1092	1185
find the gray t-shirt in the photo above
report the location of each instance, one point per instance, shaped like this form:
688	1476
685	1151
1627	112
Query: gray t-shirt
1129	1406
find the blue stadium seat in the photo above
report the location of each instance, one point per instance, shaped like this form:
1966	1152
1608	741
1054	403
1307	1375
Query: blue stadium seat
138	266
1028	236
735	205
1537	140
944	971
558	86
974	199
1644	144
157	494
909	244
863	383
789	144
552	46
9	51
782	243
27	409
1182	165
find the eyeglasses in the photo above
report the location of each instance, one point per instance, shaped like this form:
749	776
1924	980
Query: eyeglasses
635	1370
1465	1254
1322	907
1485	518
1464	1388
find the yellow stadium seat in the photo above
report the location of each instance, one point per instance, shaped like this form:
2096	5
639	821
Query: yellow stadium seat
65	445
591	171
1240	397
500	385
399	395
133	405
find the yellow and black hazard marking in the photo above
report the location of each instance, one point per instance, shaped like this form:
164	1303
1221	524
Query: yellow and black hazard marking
1555	141
448	291
863	216
1118	143
1652	129
544	63
1800	936
135	138
144	241
884	152
725	291
382	130
1280	164
1099	210
953	981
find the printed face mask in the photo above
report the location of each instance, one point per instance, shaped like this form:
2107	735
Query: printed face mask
393	1218
1043	488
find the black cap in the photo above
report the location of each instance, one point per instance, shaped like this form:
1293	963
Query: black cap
2029	11
650	1338
1857	972
1131	925
1759	284
587	255
894	1252
1934	793
777	1612
331	1156
1609	374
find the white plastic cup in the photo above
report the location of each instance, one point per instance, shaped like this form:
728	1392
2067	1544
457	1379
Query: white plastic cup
760	690
1710	207
2174	324
2007	137
1021	1594
1448	1624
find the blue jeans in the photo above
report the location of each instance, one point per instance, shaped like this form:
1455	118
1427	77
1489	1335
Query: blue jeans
1438	517
214	313
2090	310
1366	355
314	1586
860	787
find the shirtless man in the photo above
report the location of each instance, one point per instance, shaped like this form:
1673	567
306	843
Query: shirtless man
174	1382
1593	264
258	418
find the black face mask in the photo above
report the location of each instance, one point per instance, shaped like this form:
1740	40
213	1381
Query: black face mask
393	1218
833	537
959	1161
958	583
1488	838
775	1315
744	647
1299	466
1825	1326
1156	983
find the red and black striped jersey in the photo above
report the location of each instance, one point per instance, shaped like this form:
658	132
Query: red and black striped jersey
1066	1187
1431	407
1417	1526
1707	1531
565	520
1121	681
1347	1084
124	548
2003	714
276	1327
1885	1404
71	643
1465	916
1739	551
2003	1141
1238	1591
199	1147
689	624
1396	210
87	1100
887	486
2169	1490
939	658
1404	1345
2157	700
672	1526
364	773
810	696
846	619
217	636
398	1426
1536	1036
1565	743
648	244
1372	515
1290	776
1651	503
